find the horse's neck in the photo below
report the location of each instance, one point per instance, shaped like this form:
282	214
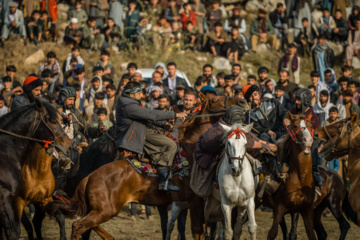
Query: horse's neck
300	164
38	161
354	159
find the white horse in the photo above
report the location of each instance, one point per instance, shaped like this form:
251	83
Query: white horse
237	185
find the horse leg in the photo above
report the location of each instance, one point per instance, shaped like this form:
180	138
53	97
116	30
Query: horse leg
37	221
60	218
239	222
163	212
102	233
10	225
284	229
27	225
182	223
278	215
175	211
227	208
294	223
196	206
318	226
251	215
308	218
344	225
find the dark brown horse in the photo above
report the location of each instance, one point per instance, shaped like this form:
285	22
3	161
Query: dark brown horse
298	191
102	194
344	138
333	196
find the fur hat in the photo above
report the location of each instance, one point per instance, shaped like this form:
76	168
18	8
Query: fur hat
30	83
248	90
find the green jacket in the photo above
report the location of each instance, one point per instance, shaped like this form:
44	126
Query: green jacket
254	27
80	15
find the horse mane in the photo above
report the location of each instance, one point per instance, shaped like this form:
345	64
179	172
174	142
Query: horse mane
283	145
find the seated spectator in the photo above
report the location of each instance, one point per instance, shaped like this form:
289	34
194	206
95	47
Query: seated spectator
93	39
154	10
187	15
190	37
80	102
96	86
90	113
163	103
98	9
217	39
112	33
261	30
73	34
279	22
35	27
353	44
323	56
354	16
291	62
236	47
13	23
305	38
162	33
319	85
325	24
50	7
251	80
235	21
323	106
132	21
229	85
175	36
199	10
172	12
51	64
263	73
144	31
78	13
75	53
353	86
50	32
214	15
116	14
340	32
105	63
102	116
3	108
314	94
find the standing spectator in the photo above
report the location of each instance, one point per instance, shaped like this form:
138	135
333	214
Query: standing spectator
263	73
236	72
29	6
341	6
175	36
96	87
323	106
10	72
346	72
93	39
75	53
217	39
132	21
190	37
199	10
187	15
113	33
90	113
3	108
229	85
314	94
284	81
340	32
102	116
315	79
214	15
236	47
325	24
354	43
105	63
73	34
50	6
51	63
291	62
13	23
305	38
280	95
180	94
208	72
350	107
110	100
172	81
279	22
154	11
116	14
172	12
35	27
261	30
163	103
330	81
162	33
353	86
81	102
200	82
354	16
323	56
333	116
78	13
50	32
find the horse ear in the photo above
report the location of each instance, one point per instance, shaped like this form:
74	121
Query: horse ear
39	105
290	115
354	119
248	128
225	127
202	97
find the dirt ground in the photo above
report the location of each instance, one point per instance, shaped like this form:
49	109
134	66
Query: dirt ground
122	228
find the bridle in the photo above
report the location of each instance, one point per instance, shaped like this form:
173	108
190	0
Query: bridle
293	134
239	133
221	110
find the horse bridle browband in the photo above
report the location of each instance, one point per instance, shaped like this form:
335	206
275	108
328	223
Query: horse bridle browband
238	134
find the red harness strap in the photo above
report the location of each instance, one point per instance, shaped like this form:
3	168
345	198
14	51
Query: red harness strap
236	132
46	143
63	199
293	134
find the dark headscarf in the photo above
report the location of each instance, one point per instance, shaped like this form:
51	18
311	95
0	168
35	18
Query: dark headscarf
64	94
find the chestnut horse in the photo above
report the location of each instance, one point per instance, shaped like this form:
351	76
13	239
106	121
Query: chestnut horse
102	194
32	126
297	193
333	196
343	138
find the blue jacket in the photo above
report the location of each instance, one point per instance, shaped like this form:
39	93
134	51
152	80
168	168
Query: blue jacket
334	164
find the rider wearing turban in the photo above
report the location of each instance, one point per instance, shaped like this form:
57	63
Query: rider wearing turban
303	106
32	89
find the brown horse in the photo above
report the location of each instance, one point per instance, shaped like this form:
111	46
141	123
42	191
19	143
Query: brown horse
343	138
101	195
298	191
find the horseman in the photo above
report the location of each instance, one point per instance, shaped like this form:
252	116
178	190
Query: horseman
303	106
268	116
32	89
135	124
210	147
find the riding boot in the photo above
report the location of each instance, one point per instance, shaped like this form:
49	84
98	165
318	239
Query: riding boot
316	176
164	182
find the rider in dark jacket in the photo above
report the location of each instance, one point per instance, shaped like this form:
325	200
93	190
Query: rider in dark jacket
135	124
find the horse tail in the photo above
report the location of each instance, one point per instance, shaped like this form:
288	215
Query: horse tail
76	206
347	209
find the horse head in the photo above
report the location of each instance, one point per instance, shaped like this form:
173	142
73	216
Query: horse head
301	132
338	137
235	147
48	128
